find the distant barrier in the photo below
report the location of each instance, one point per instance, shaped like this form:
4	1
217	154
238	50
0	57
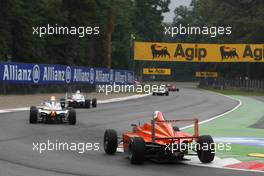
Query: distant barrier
41	74
241	84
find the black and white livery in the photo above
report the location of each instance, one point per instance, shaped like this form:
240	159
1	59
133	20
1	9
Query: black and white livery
161	91
78	100
52	112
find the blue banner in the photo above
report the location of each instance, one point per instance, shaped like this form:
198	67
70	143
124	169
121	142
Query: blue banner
22	73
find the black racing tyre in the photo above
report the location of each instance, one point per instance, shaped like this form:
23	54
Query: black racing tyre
87	103
177	89
70	104
72	117
110	141
175	128
153	93
205	149
33	115
94	102
167	93
137	150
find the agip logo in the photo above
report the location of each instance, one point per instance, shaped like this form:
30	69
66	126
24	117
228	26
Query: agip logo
198	52
36	74
181	52
228	53
256	53
159	51
240	53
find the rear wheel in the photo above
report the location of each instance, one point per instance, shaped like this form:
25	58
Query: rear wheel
87	103
153	93
72	117
206	149
33	114
94	102
167	93
110	141
137	150
70	104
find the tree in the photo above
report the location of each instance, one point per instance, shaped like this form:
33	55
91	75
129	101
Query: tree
148	19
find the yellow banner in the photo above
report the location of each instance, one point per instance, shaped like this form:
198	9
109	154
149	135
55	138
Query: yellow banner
157	71
195	52
206	74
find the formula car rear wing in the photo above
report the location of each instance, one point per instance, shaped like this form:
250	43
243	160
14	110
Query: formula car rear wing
196	129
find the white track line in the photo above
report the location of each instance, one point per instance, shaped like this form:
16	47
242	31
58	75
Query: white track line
99	102
218	163
220	115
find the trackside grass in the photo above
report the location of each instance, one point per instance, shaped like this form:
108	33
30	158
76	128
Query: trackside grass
237	124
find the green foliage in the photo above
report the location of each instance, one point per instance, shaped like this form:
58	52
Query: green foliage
148	19
244	16
17	17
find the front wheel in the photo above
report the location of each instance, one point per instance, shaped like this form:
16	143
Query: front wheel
137	150
33	115
72	117
110	141
206	149
70	104
87	103
94	102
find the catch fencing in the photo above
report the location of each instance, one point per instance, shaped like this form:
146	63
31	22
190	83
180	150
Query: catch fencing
239	84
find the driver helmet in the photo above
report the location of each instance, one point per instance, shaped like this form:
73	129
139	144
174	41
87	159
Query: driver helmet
78	92
158	116
52	98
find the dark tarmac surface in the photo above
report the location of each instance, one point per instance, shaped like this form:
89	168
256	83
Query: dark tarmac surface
17	136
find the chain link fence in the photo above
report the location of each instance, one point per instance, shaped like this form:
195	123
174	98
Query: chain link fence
239	84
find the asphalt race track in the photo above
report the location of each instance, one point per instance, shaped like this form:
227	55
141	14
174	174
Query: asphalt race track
17	136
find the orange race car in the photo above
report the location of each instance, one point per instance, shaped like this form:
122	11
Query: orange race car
160	141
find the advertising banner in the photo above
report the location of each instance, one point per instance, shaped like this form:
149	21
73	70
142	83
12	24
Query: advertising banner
195	52
157	71
206	74
22	73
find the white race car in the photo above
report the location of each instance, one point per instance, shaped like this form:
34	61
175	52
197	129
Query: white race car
161	91
78	100
52	112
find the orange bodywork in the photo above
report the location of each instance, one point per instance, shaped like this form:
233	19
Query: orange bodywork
163	132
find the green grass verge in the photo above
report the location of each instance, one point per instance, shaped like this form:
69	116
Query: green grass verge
241	152
238	92
238	123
